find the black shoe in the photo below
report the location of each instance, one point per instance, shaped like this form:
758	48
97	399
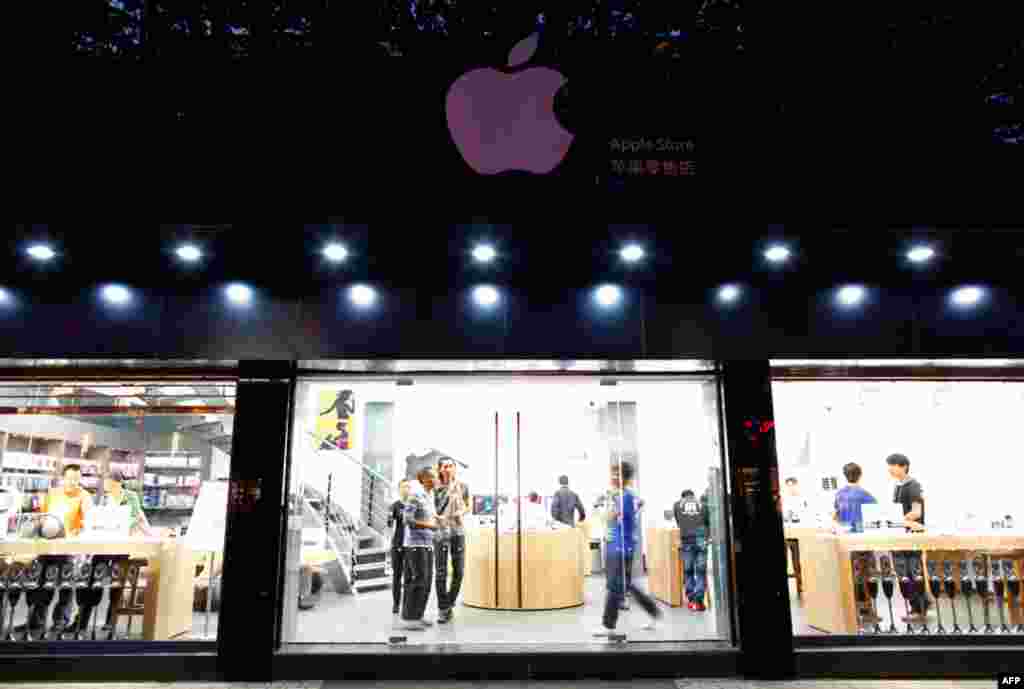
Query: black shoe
394	610
443	616
23	633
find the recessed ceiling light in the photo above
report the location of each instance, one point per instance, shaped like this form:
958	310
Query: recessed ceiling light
729	293
967	296
608	295
851	295
632	253
484	253
485	295
921	254
116	294
239	294
189	253
777	253
335	252
41	252
362	295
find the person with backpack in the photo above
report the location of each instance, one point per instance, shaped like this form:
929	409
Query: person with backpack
691	517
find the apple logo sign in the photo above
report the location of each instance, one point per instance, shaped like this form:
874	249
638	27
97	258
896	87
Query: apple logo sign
505	121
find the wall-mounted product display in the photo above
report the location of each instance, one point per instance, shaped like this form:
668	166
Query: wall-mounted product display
93	505
923	534
543	499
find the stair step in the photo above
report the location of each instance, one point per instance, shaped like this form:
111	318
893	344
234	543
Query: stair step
372	550
380	582
362	575
368	566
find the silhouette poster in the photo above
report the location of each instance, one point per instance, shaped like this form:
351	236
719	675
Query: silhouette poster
335	421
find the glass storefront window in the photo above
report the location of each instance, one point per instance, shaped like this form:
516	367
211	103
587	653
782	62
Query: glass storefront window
518	500
901	505
113	499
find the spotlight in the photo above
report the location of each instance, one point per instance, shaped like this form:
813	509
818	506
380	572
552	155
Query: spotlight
777	253
361	295
335	252
41	252
189	253
729	293
484	253
5	298
608	295
967	296
239	294
921	254
485	296
632	253
851	295
116	294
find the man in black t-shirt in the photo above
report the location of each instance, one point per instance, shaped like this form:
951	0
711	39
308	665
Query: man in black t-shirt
396	520
910	496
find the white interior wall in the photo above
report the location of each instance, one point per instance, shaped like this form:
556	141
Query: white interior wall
959	437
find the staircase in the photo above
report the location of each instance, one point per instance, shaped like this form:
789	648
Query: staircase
371	556
373	560
372	569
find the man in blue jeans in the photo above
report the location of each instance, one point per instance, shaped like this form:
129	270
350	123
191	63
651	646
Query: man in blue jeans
620	546
692	518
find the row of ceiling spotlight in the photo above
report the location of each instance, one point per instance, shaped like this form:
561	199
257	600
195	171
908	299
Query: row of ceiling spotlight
336	252
486	296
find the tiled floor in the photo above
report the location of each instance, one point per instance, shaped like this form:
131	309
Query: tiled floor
367	618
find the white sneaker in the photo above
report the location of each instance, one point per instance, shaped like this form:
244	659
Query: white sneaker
653	624
413	625
603	631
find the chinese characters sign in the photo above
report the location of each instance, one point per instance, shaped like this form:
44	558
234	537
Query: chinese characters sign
644	157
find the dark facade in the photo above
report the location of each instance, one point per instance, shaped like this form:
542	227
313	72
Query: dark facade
189	328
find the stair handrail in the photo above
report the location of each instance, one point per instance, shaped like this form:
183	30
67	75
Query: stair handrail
344	453
384	481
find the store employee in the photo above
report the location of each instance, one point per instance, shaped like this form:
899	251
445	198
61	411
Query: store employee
910	496
69	502
117	495
908	493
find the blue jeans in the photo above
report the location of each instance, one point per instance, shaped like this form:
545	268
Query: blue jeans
695	571
617	584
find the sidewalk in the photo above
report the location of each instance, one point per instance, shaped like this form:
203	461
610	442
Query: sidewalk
568	684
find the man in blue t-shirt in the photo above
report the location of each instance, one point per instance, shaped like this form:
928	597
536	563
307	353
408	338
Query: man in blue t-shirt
621	540
851	498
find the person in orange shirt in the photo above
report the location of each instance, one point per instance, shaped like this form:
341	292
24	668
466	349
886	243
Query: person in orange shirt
69	502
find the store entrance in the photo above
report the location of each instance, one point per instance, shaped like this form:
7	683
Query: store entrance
521	477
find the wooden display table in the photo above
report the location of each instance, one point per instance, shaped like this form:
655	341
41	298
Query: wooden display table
665	568
169	574
829	602
550	567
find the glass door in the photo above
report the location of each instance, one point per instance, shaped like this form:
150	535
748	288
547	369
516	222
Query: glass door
560	479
